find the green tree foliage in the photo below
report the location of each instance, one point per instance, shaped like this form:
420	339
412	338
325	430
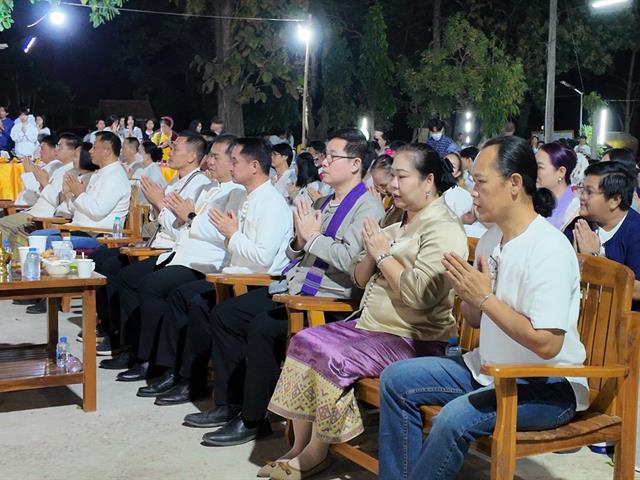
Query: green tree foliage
261	62
375	68
100	11
468	71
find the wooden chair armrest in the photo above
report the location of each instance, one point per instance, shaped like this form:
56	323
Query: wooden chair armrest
523	370
110	242
246	279
50	220
67	227
316	304
143	251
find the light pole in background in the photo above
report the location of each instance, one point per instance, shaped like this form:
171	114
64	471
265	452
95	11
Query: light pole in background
304	33
568	85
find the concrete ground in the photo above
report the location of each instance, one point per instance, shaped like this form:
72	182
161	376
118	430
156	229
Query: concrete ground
44	434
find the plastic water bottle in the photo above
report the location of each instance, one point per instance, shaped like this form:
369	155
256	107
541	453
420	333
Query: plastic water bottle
62	353
453	349
7	248
67	248
117	228
32	265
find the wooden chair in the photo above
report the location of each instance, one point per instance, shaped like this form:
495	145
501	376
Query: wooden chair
610	333
235	284
10	207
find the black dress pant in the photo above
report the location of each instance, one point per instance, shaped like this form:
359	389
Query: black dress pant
130	280
249	336
109	262
153	297
173	331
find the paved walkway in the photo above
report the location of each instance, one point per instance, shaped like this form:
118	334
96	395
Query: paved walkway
45	435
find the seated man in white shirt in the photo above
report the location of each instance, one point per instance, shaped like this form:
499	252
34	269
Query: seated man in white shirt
253	240
36	177
131	160
104	199
188	184
67	149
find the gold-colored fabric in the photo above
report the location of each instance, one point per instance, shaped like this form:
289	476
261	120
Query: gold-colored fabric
10	180
304	394
422	309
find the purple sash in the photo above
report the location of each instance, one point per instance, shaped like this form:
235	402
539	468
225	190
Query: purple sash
313	279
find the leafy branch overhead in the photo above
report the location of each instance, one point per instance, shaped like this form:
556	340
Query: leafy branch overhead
100	11
265	59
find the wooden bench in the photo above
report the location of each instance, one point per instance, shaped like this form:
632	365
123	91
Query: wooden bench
610	333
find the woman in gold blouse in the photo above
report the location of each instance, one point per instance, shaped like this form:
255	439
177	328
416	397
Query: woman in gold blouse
405	312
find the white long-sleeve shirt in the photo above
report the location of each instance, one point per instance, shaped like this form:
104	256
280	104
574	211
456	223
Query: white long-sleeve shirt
106	197
31	191
265	228
25	137
49	198
151	171
201	246
189	186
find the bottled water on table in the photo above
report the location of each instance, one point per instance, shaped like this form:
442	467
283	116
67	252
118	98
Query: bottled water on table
62	353
32	265
7	248
67	248
453	349
117	228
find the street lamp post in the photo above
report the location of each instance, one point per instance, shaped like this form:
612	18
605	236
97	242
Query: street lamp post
568	85
304	32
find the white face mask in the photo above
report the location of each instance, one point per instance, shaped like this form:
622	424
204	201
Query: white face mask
436	136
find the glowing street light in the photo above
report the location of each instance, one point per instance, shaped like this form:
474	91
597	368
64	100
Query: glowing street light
364	127
305	34
607	3
57	17
29	45
602	131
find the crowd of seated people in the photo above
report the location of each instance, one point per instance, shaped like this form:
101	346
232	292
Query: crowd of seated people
347	219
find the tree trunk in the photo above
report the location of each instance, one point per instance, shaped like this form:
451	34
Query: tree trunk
627	106
437	24
229	109
551	73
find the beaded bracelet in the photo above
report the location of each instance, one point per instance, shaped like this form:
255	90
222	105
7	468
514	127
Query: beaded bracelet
382	257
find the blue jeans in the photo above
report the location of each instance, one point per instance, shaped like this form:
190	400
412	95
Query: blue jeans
78	241
468	413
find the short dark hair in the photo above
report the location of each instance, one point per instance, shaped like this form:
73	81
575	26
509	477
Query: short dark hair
85	162
153	151
193	125
624	156
50	140
616	179
24	110
584	137
227	138
216	119
515	155
284	149
357	146
258	149
73	140
469	152
318	146
113	119
307	171
112	139
196	142
436	123
510	127
132	141
427	162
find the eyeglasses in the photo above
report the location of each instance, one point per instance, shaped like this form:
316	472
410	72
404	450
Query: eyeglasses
330	158
582	190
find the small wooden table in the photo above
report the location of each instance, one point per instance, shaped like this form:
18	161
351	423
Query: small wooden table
34	366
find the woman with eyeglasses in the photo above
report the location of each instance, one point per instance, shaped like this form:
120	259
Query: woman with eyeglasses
523	293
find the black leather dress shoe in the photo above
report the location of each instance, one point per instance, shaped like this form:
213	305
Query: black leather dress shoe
177	394
137	372
122	361
216	417
235	432
29	301
39	307
161	385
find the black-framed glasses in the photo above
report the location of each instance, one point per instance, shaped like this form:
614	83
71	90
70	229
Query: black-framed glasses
330	157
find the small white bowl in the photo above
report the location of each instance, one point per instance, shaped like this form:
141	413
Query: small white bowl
57	268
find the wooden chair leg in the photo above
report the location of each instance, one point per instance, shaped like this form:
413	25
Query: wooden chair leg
503	447
66	303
